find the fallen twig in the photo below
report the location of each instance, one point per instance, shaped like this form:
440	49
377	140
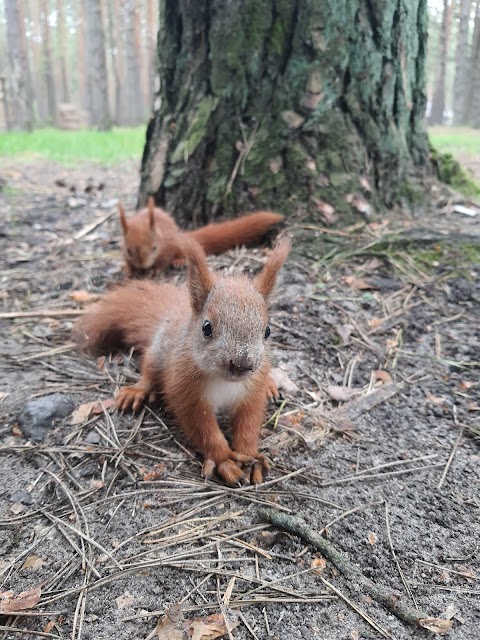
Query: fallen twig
53	313
383	595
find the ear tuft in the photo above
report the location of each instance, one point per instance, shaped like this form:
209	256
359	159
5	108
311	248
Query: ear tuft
123	218
151	212
265	281
200	279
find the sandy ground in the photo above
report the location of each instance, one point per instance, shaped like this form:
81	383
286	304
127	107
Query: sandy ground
375	439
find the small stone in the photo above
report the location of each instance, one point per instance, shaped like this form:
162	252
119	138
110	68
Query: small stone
21	496
37	416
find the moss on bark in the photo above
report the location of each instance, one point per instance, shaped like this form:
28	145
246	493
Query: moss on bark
282	103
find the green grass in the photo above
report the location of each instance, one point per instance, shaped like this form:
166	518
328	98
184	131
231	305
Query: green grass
69	147
456	140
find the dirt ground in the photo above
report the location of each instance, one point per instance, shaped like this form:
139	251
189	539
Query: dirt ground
376	339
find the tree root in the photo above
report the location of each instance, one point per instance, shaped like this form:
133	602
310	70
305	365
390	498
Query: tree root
379	592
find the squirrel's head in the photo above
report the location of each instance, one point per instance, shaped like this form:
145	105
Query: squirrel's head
140	240
230	329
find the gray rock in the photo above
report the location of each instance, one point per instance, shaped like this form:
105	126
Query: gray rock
37	416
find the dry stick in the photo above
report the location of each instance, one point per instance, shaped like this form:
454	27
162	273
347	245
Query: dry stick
54	313
450	459
93	225
37	634
384	596
50	352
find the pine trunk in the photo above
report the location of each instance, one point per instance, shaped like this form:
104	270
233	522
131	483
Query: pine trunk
115	49
49	78
284	104
20	115
438	100
152	19
133	84
460	89
97	66
62	51
473	96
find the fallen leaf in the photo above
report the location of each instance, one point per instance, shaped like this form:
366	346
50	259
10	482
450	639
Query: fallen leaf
96	484
436	400
466	384
17	507
344	331
327	212
9	603
357	284
171	626
372	538
282	381
384	376
33	562
341	394
84	296
467	573
318	565
210	627
125	601
156	473
437	625
373	323
82	413
49	626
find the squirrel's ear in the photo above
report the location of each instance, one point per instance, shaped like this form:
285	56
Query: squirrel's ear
123	218
264	282
151	212
200	280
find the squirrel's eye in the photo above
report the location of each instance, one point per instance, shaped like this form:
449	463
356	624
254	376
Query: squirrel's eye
267	332
154	248
207	329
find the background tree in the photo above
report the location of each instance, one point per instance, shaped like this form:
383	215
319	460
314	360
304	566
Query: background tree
460	89
62	51
134	111
97	66
268	104
438	100
48	74
473	94
21	113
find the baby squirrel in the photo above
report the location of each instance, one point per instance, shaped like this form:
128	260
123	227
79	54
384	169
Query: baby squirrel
204	349
151	236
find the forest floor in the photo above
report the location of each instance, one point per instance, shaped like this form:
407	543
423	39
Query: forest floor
104	520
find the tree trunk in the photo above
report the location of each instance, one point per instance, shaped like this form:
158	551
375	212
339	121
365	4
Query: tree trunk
21	112
438	100
134	113
97	66
48	76
473	96
115	49
284	104
460	88
62	51
152	21
80	57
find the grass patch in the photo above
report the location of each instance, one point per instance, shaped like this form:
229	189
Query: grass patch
456	140
68	147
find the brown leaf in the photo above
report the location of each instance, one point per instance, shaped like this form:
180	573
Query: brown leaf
436	400
341	394
156	473
9	603
83	296
357	284
327	212
49	626
466	384
33	562
384	376
437	625
372	538
82	413
318	565
467	573
171	626
282	381
373	323
210	627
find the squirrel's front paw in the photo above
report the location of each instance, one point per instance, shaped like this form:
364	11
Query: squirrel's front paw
260	465
130	398
272	390
227	469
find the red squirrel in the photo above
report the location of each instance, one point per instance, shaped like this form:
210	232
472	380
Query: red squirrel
150	237
204	349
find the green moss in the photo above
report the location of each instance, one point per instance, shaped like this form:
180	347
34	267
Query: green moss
451	172
196	130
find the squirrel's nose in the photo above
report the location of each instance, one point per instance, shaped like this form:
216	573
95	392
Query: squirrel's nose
240	366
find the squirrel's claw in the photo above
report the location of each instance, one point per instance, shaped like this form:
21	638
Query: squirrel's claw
226	469
259	466
130	398
272	390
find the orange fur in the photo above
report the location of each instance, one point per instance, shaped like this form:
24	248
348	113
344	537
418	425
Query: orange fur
197	374
152	239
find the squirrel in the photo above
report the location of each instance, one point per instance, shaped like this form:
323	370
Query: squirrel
204	348
150	237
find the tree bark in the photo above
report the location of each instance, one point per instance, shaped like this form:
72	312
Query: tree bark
62	51
115	48
152	24
283	104
438	100
80	50
460	88
21	112
48	76
134	113
97	66
473	96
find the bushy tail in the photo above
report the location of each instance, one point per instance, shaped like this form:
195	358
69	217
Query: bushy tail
125	317
221	236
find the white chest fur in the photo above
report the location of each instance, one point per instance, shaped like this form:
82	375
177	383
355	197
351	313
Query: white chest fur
224	395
